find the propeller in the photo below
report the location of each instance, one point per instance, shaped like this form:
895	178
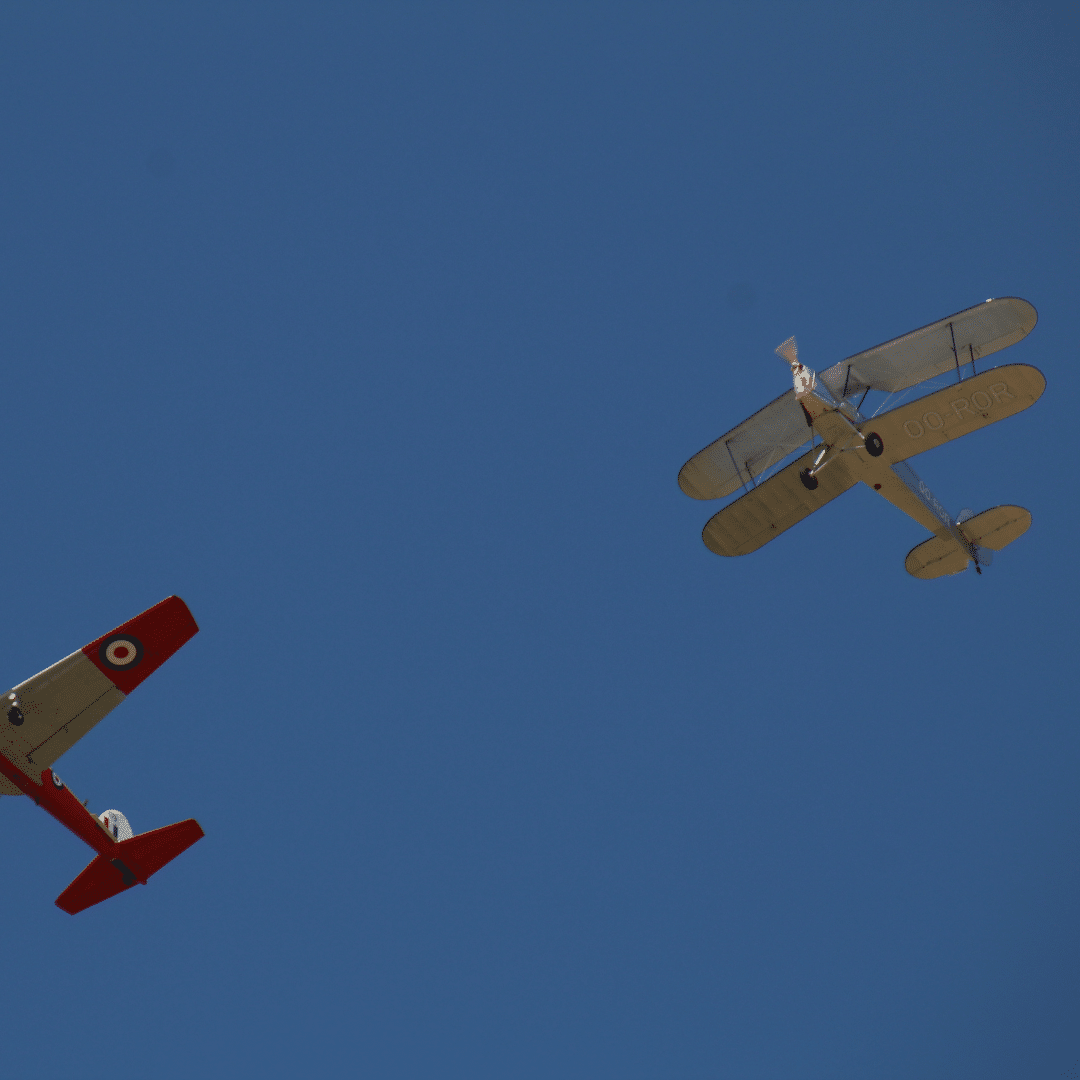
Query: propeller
789	351
805	380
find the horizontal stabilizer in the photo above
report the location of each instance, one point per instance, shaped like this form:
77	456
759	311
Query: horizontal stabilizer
936	557
128	863
994	529
998	527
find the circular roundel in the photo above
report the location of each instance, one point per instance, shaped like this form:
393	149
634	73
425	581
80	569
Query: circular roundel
120	651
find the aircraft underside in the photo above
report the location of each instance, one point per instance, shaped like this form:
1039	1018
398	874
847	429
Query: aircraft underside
874	450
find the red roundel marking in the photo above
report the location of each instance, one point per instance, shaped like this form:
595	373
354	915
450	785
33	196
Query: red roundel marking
121	651
140	646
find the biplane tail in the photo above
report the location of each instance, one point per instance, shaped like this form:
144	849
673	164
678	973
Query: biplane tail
989	531
127	863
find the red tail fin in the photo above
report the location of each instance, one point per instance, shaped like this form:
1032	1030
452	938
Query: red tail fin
129	862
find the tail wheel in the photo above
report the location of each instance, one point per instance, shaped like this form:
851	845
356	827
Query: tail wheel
874	446
809	481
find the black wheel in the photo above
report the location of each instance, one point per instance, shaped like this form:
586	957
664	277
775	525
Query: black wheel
809	482
874	446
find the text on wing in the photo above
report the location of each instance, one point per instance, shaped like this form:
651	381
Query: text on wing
980	402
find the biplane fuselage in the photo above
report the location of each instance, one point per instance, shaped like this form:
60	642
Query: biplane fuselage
874	450
839	423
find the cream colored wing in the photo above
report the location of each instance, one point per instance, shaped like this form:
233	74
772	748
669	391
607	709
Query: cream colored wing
942	346
957	410
776	505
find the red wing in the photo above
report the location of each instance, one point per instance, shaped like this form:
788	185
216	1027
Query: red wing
131	652
44	716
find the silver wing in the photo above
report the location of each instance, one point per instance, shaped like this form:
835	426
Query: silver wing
942	346
747	451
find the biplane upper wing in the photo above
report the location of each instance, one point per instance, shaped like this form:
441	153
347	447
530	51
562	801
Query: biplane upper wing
957	410
774	506
942	346
46	715
747	450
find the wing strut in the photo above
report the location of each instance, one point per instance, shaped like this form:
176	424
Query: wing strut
952	334
738	471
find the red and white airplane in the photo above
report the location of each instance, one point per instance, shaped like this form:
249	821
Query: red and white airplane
48	714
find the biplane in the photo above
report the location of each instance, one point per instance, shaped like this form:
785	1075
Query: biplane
48	714
874	449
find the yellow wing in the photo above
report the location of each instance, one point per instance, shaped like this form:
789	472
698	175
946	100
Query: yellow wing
975	403
774	506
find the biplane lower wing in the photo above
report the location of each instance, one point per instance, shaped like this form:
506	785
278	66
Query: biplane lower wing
957	410
774	506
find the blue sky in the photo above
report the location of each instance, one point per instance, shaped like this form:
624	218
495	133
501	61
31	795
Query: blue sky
379	334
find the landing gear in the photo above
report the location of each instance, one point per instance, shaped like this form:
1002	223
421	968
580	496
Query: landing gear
874	446
809	480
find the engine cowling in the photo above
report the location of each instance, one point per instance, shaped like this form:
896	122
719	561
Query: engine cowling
119	827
